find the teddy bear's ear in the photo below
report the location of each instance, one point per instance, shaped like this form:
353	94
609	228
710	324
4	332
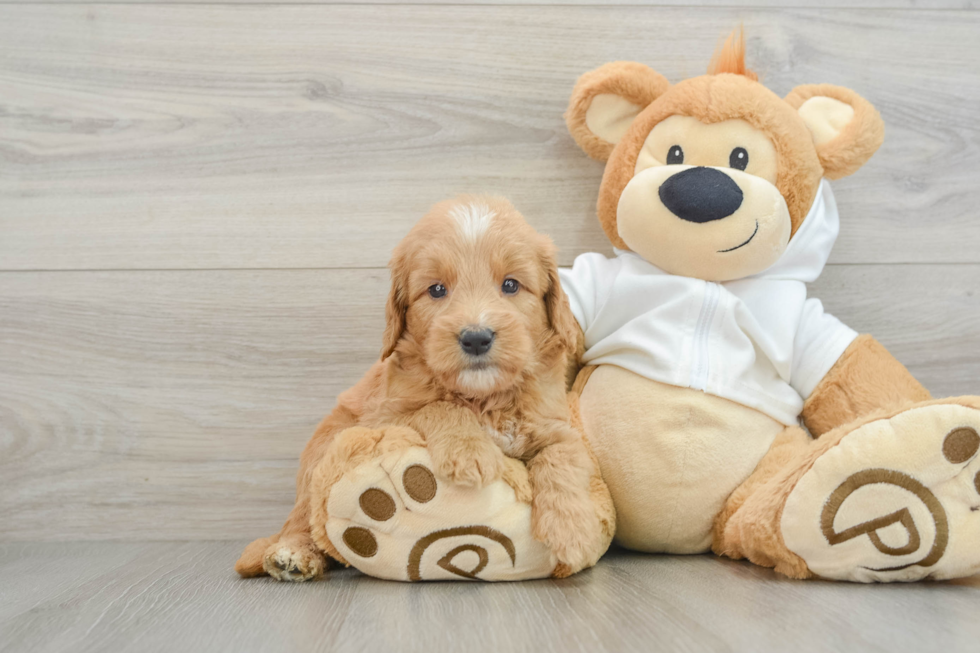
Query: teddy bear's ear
605	102
846	128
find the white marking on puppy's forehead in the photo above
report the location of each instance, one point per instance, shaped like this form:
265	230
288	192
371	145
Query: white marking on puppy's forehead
472	219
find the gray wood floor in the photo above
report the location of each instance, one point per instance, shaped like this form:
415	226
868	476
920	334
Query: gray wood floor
197	201
182	596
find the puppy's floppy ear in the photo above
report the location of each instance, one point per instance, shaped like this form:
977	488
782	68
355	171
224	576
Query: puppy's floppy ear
560	316
605	102
846	128
396	307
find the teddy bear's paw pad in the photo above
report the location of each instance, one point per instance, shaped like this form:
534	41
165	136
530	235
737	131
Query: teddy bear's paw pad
393	518
896	500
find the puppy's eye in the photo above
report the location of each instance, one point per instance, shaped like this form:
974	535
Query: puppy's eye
437	290
675	155
510	286
739	159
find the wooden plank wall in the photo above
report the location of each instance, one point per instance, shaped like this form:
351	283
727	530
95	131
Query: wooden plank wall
197	202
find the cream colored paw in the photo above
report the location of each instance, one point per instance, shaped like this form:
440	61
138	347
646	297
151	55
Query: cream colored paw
392	517
294	559
896	500
473	462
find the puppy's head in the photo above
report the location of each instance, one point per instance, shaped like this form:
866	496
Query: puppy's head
475	293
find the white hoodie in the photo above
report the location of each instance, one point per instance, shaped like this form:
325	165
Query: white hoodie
757	341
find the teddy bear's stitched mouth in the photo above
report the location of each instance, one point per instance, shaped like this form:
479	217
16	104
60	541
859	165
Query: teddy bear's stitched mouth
723	251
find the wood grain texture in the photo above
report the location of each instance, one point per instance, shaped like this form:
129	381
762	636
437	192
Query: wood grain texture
169	404
174	405
313	136
159	381
151	597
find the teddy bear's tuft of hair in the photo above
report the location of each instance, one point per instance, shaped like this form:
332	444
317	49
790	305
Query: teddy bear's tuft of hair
729	57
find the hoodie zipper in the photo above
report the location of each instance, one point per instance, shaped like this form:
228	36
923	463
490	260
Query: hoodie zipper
699	367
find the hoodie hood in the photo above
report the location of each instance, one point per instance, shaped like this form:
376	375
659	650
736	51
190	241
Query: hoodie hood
808	250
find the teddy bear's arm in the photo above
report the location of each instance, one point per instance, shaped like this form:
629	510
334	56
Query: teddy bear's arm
866	378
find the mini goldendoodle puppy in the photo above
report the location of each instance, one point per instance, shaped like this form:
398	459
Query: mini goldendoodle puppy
478	339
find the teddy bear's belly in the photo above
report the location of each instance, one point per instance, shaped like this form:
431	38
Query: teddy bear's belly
670	455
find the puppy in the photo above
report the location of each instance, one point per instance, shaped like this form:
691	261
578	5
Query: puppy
478	339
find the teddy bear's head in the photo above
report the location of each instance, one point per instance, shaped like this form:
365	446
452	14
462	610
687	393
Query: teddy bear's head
711	177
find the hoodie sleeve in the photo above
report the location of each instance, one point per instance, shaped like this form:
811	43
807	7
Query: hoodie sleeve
586	284
820	340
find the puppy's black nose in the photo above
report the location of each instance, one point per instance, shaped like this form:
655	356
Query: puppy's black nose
701	195
476	342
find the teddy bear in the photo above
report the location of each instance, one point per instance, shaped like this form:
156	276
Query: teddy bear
728	411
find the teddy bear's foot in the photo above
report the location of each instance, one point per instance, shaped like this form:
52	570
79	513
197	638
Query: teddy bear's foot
896	500
392	517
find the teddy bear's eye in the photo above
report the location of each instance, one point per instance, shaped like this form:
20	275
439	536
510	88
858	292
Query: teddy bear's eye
739	159
675	155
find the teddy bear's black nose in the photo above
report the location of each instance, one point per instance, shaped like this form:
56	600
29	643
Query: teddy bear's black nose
701	195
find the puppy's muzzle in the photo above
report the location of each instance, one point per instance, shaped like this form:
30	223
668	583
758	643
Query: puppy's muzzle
476	342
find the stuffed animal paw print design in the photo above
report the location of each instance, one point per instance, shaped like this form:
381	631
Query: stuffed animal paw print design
897	499
393	518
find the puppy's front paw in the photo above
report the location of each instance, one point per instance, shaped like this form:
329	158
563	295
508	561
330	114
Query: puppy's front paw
570	528
470	462
294	558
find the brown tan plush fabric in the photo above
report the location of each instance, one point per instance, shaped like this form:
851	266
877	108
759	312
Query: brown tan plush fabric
629	80
865	379
669	455
711	99
730	57
894	500
858	140
753	529
682	467
729	91
787	446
